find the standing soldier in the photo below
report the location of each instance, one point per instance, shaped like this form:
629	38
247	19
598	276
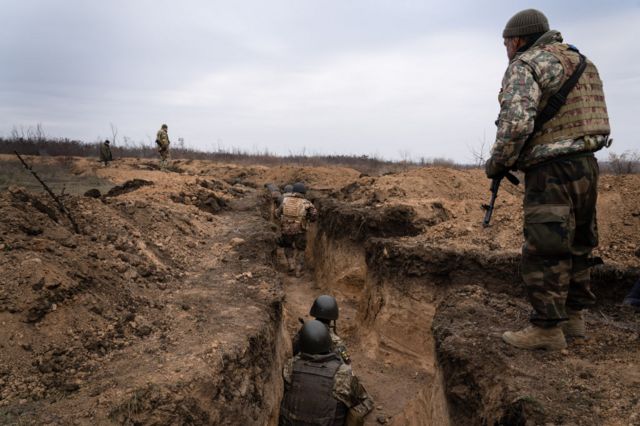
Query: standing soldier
105	153
319	388
549	127
295	213
162	140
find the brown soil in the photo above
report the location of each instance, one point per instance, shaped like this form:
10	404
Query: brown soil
158	312
167	308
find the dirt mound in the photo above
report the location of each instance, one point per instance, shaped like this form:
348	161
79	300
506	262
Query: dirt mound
93	193
448	202
488	382
360	223
145	316
128	186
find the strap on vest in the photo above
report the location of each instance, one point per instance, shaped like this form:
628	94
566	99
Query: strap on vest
560	97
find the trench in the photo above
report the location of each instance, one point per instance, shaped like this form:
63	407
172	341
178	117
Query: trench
387	329
390	293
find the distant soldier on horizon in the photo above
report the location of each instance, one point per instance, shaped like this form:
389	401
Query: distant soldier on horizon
105	153
162	140
553	117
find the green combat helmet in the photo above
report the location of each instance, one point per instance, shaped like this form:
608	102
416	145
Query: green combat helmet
299	188
315	338
324	307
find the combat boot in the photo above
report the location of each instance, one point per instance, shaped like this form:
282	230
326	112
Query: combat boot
575	326
534	337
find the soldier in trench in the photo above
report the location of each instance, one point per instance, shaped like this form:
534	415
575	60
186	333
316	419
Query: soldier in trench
552	140
274	199
295	214
325	310
320	389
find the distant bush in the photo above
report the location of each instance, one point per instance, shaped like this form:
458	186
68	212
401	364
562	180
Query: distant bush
372	165
622	164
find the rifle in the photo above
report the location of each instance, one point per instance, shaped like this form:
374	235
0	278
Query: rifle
58	201
495	185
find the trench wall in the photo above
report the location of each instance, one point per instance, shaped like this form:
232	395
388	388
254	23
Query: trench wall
393	318
399	283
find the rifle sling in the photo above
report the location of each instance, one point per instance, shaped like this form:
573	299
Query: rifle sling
560	97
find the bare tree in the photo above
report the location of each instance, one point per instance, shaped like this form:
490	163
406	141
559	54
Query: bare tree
625	163
17	134
405	155
479	155
114	133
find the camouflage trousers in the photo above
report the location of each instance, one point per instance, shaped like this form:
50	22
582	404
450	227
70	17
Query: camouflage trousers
560	231
294	246
164	156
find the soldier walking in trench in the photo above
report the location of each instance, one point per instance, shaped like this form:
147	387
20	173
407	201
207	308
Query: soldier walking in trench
552	140
295	213
320	389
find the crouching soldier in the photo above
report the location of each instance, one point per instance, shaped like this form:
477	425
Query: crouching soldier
295	213
325	310
320	389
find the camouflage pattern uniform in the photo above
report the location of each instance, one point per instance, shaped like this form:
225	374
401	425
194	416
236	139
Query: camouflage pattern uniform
162	140
561	173
105	153
273	198
346	389
295	213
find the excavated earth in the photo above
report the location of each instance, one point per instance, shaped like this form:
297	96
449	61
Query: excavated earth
169	307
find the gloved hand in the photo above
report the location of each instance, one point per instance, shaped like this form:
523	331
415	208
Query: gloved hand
493	169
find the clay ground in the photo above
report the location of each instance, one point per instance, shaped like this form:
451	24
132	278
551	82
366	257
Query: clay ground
168	307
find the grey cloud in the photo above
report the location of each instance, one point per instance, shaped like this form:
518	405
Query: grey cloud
357	76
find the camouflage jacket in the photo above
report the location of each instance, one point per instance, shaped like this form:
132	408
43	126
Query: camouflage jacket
162	139
295	213
346	387
105	152
524	85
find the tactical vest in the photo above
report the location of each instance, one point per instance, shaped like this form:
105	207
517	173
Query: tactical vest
309	400
585	111
294	211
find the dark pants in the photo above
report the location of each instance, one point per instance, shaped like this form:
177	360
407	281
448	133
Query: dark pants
560	232
297	241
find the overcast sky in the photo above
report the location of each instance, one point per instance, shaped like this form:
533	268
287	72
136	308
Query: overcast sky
323	76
